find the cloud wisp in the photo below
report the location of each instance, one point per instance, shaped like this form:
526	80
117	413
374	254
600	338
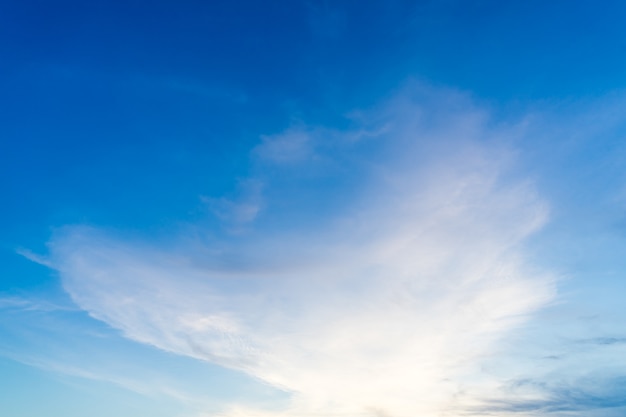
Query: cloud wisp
385	305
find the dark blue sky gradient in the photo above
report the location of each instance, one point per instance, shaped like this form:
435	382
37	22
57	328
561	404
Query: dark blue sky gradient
107	103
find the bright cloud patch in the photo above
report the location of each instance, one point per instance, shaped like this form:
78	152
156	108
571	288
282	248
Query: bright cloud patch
386	306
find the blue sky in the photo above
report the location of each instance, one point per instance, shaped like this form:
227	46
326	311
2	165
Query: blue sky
313	208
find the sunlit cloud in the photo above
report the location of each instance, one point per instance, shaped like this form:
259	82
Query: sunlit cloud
385	305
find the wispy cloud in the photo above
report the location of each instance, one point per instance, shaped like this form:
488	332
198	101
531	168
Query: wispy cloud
583	396
31	256
14	302
79	347
385	306
238	211
295	146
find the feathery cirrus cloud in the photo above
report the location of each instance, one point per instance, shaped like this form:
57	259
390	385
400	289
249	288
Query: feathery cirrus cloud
384	303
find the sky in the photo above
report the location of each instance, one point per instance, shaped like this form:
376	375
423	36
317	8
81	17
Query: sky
313	208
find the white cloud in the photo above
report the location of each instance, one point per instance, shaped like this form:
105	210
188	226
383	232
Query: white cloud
31	256
385	308
19	303
241	210
291	147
